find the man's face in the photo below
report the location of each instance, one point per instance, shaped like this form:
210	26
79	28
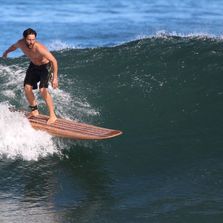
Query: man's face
30	41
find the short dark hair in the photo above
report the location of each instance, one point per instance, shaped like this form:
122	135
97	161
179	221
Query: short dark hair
28	32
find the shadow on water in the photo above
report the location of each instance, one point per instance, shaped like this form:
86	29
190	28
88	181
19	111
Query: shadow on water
74	185
88	169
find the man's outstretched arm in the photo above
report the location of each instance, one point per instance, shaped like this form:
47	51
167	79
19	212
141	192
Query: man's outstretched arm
10	49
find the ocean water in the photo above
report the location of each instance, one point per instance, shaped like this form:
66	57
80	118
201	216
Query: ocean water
152	69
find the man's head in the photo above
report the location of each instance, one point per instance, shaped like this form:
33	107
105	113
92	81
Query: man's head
30	37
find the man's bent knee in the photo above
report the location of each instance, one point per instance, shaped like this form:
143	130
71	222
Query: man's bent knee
28	88
43	92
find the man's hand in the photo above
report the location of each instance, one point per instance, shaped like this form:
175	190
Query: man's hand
54	83
10	49
5	54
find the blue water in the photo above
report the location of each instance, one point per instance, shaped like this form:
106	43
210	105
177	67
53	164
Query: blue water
107	23
152	69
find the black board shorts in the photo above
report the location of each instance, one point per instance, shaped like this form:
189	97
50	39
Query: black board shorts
37	73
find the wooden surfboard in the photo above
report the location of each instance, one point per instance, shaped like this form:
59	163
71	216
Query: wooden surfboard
71	129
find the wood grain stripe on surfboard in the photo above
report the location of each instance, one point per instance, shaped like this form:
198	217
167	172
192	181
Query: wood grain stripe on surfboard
72	126
72	129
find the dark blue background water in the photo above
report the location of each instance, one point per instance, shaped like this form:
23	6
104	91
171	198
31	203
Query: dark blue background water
150	68
106	23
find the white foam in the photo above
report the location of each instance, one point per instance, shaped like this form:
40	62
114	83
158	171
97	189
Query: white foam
19	139
57	45
72	107
12	80
165	35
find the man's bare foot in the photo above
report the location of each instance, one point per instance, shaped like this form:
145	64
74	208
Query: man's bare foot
34	113
51	120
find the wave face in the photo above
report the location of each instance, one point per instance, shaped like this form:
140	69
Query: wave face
165	93
156	86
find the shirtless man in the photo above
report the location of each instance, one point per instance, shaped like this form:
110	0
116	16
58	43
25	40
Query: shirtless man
41	60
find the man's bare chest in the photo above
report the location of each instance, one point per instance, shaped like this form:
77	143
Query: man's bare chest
32	54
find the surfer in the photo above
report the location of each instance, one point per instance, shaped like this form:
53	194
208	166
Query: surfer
39	70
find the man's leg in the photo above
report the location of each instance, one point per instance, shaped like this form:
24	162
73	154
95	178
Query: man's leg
31	98
49	101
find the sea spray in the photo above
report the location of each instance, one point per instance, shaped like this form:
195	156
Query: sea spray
19	139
